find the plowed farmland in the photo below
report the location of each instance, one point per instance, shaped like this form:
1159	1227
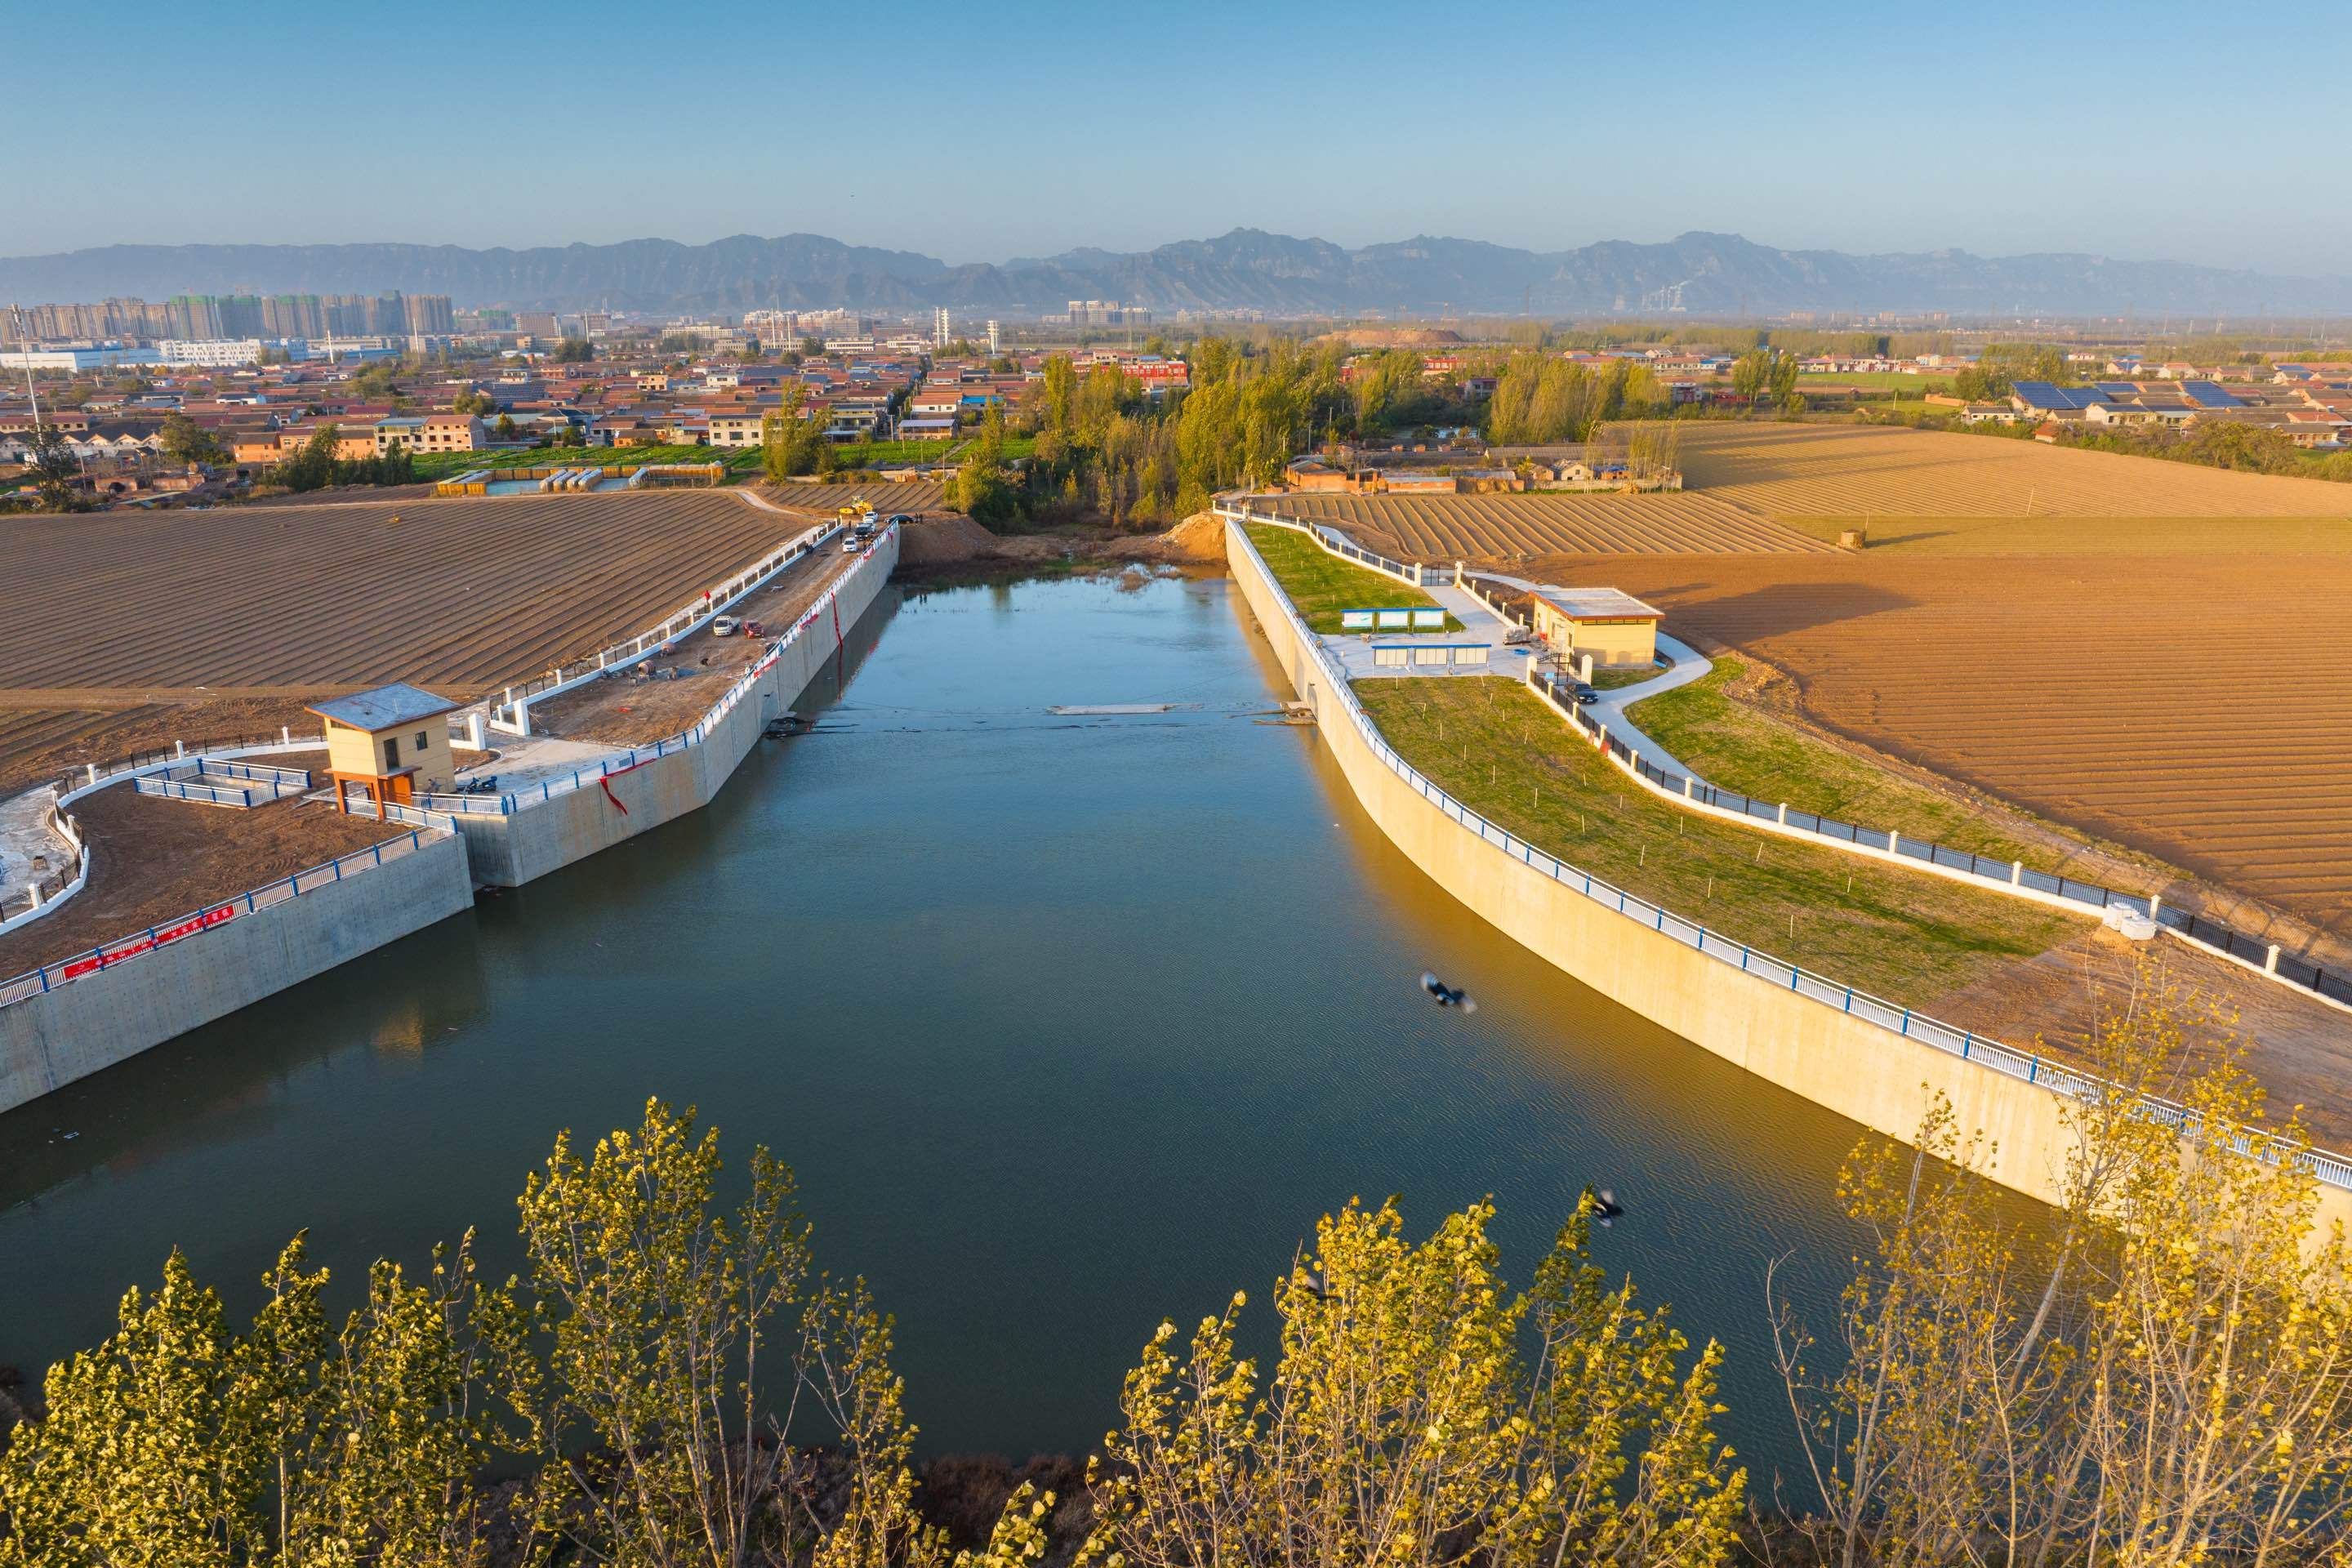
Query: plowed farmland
1500	526
2192	705
455	593
912	497
2152	651
1852	471
129	629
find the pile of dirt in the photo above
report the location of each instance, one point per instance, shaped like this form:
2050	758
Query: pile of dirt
1200	537
943	539
1393	337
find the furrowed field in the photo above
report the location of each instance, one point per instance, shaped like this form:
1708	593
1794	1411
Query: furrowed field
2151	651
127	629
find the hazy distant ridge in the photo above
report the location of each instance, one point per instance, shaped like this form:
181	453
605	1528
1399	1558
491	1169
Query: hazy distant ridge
1718	274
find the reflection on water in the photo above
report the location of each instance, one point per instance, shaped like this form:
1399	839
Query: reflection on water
1068	1024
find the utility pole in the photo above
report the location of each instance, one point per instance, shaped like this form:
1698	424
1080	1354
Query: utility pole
17	327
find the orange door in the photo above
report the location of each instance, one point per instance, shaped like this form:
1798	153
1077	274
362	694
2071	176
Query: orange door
402	791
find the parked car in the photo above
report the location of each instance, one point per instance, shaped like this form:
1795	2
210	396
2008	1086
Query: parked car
725	627
1583	693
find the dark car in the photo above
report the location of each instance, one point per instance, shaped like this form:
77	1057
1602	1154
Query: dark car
1583	693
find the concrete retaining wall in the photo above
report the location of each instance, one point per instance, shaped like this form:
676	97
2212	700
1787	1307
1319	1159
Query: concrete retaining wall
51	1039
535	839
1864	1072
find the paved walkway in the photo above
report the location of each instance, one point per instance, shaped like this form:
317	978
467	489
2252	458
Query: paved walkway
525	762
1689	665
1480	625
24	834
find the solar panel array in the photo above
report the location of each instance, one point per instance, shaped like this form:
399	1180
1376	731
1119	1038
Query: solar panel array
2205	395
2042	395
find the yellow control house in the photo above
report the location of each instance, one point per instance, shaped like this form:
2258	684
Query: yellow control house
392	742
1617	629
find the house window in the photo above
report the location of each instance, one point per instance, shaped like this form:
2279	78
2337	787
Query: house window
420	740
391	754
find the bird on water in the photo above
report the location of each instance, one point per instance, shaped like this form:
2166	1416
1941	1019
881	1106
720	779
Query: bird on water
1446	995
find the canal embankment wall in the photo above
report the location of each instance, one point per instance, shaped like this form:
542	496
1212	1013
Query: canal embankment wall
1764	1022
84	1024
74	1019
661	785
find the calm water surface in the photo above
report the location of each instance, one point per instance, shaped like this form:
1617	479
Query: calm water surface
1067	1024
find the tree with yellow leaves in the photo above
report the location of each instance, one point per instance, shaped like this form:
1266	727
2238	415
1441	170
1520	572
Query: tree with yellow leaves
1402	1423
2161	1373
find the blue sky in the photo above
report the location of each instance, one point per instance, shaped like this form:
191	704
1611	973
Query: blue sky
974	132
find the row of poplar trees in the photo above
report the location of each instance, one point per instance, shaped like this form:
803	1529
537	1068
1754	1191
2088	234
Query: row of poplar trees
2154	1373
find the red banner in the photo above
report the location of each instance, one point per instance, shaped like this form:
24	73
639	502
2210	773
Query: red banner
161	935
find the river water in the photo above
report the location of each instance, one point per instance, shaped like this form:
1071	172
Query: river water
1067	1024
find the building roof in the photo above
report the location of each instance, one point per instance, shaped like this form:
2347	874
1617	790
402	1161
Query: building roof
2042	395
1597	604
385	707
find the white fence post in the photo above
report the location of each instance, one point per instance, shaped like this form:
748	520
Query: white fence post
182	747
34	888
2155	904
474	732
1784	814
2017	873
285	734
1587	667
1893	842
93	773
2270	964
1686	786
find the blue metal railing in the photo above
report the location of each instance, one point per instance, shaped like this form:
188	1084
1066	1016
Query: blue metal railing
548	788
258	782
1892	1017
2301	973
2334	985
106	955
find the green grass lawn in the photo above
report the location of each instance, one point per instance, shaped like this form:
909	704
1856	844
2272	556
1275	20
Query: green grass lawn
890	454
1322	585
446	464
1729	744
1909	937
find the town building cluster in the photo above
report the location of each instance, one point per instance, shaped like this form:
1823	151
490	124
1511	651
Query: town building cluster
2310	405
511	379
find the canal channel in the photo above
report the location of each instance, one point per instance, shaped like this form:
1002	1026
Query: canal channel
1067	1022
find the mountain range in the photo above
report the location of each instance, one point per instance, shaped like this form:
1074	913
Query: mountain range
1703	274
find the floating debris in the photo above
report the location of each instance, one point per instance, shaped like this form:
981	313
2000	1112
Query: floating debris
1074	710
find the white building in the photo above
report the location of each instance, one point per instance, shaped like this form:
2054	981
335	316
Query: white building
77	359
218	350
